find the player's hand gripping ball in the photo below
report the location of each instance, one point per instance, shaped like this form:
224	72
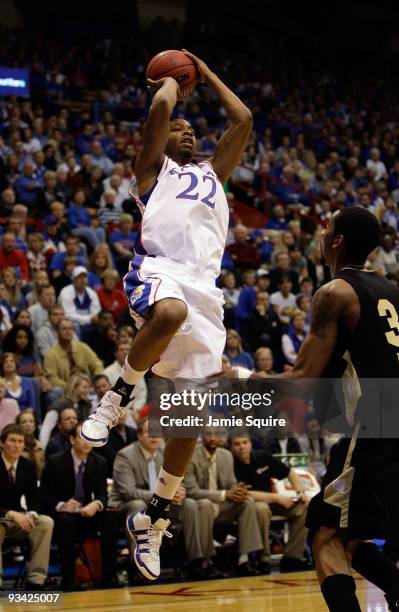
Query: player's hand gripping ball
177	65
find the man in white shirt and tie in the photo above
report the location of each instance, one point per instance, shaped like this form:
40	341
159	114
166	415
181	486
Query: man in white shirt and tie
74	489
17	479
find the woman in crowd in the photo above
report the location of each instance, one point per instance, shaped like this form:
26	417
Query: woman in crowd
40	278
100	260
19	340
13	298
111	298
32	449
77	390
125	334
18	387
264	361
22	317
234	351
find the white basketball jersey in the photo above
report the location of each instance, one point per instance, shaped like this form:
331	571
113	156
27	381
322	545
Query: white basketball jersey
186	217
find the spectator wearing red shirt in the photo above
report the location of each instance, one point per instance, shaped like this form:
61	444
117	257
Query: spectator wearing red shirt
110	297
10	257
242	252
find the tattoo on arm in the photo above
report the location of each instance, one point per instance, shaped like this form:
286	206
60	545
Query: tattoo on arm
324	312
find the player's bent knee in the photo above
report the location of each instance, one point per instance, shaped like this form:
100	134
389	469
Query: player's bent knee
169	315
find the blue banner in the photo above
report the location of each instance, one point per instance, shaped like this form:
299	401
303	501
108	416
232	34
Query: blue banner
14	82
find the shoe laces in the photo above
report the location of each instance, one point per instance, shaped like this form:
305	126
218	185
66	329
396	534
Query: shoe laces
102	412
155	535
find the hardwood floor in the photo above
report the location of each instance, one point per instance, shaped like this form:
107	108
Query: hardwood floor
277	593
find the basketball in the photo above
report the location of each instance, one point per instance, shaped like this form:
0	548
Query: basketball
173	64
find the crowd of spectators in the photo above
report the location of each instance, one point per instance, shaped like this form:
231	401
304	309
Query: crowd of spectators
68	228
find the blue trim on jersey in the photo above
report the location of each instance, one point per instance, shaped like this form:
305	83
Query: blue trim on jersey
137	291
138	244
146	196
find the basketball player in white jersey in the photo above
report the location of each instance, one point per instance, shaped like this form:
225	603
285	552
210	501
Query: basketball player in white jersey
171	283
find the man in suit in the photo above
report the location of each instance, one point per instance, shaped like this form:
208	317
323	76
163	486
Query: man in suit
67	420
17	478
74	490
119	437
210	479
134	478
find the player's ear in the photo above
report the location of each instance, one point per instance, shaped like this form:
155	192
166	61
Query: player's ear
338	241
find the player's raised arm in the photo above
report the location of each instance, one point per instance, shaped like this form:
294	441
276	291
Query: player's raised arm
151	156
230	147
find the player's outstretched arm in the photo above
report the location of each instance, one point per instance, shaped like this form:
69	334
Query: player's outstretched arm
230	147
151	157
328	307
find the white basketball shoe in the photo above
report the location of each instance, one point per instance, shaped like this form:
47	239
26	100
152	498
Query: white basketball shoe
95	429
146	540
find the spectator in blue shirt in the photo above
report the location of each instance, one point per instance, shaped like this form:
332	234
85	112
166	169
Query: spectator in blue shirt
234	352
278	220
79	221
122	242
27	189
99	158
83	142
18	388
72	250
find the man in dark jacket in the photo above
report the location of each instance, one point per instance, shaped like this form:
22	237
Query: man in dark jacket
17	479
119	437
74	490
67	420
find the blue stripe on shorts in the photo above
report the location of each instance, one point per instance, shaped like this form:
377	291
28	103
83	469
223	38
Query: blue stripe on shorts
137	291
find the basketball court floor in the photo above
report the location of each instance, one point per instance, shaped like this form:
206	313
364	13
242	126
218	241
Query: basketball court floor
297	592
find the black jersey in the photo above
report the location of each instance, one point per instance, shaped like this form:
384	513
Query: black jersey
374	346
367	361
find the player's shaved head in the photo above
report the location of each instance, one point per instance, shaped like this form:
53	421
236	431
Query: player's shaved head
351	235
361	231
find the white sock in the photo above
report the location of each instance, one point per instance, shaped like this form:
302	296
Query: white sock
243	558
131	376
167	484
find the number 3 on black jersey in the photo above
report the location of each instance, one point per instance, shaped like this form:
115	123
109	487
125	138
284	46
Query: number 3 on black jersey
388	310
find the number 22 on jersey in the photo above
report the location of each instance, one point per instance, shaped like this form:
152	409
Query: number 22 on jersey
191	193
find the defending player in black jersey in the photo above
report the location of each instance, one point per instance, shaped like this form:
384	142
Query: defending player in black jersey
356	315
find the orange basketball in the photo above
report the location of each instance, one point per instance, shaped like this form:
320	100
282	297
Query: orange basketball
174	64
